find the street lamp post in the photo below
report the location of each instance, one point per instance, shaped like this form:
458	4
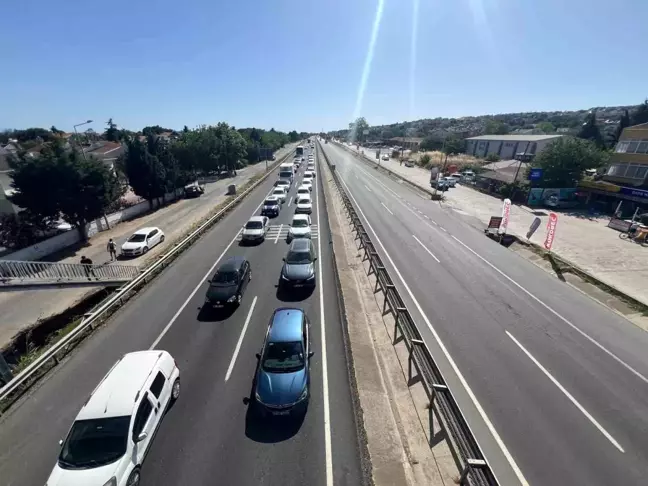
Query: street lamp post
77	134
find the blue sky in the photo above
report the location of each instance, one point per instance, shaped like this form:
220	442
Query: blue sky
297	64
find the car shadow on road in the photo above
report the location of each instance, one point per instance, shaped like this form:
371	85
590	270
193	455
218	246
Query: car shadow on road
286	294
267	429
209	314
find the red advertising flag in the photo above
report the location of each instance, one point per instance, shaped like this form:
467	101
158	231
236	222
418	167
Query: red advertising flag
551	231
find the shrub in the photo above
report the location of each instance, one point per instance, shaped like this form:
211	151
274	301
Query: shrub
493	158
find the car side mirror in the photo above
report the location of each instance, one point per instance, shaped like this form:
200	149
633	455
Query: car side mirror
209	280
283	259
311	354
142	436
258	356
61	442
315	259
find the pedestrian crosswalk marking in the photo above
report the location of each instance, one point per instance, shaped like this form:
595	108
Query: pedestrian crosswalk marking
280	231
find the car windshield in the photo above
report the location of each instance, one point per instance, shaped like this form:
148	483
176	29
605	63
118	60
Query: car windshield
304	201
300	223
95	443
225	277
283	357
254	225
298	257
270	202
278	191
137	238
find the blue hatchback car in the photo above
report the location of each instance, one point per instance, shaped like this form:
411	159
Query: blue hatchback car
282	382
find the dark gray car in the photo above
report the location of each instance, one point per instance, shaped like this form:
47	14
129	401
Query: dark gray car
299	265
229	282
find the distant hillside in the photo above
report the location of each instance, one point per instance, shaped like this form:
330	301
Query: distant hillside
567	122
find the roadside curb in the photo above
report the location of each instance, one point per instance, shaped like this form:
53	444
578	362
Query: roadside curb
569	266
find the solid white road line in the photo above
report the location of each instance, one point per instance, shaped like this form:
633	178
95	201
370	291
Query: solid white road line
200	284
388	210
443	229
278	233
367	187
425	248
567	394
240	340
291	198
446	353
325	385
555	313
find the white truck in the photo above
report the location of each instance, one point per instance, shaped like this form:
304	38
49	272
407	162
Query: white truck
286	171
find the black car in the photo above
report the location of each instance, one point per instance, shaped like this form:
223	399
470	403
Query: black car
271	206
194	190
229	282
299	265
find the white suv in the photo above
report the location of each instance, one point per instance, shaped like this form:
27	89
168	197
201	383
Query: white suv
300	227
114	429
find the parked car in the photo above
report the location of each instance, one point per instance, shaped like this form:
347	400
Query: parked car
409	163
229	283
300	227
255	229
142	241
115	428
441	185
299	265
271	206
194	190
450	181
282	378
304	204
385	157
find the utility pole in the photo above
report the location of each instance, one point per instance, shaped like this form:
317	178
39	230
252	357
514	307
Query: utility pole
77	136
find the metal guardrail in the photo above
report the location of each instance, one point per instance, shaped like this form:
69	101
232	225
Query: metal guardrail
50	357
474	467
17	273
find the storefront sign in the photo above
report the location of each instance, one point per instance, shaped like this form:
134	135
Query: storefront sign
535	174
630	191
551	231
494	223
620	225
506	213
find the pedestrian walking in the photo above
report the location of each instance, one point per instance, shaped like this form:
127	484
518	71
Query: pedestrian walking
112	250
87	267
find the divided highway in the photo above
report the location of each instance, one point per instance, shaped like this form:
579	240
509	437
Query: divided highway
554	385
209	437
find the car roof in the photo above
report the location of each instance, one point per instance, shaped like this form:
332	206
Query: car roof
286	325
117	393
303	197
261	219
279	188
301	244
231	264
300	216
146	230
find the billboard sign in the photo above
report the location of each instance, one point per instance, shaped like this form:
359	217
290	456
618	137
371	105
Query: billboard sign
535	174
551	231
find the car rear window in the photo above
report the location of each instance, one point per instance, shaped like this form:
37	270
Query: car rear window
283	357
225	277
254	224
271	202
137	238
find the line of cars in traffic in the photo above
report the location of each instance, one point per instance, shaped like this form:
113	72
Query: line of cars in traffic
110	436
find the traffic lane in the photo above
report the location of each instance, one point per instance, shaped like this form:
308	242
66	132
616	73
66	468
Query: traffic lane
210	424
29	447
586	384
613	332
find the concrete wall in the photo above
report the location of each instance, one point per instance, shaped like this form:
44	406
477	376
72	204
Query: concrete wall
63	240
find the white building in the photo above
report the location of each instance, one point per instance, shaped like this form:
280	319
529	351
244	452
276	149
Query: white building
508	147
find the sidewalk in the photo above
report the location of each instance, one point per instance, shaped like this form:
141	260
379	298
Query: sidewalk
20	310
580	239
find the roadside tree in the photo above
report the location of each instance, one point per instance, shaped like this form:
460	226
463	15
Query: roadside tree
564	161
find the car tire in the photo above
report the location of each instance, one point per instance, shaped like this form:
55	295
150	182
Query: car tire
175	390
162	239
134	477
250	276
239	298
145	250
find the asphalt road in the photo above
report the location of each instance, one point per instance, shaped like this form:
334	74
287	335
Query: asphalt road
208	436
553	384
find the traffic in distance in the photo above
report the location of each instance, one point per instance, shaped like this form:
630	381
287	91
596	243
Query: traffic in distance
112	433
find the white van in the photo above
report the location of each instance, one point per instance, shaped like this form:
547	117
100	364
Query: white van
115	427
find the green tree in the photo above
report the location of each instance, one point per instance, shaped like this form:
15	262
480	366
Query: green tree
590	130
294	136
63	183
233	146
145	172
564	161
546	127
56	131
357	129
112	132
454	145
494	127
640	115
431	143
493	157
